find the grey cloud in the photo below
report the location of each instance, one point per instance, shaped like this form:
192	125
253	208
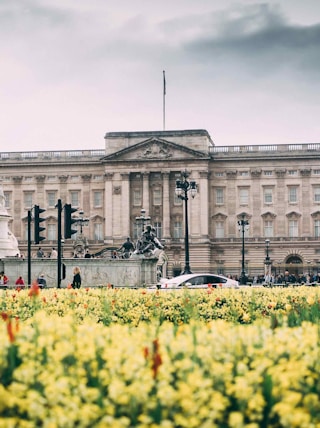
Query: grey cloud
263	40
19	16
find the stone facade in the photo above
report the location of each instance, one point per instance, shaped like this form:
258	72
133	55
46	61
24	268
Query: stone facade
277	188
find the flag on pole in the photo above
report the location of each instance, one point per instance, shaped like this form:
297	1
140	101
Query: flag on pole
164	83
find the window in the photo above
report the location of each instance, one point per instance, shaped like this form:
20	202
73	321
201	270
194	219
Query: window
25	231
97	177
293	228
243	196
177	201
137	197
137	230
177	229
293	194
97	198
317	228
7	199
268	173
158	227
316	194
219	174
74	196
28	199
293	172
219	229
51	199
219	196
157	196
98	232
244	173
52	231
267	195
268	228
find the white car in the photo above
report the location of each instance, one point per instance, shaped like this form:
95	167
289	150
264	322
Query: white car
197	280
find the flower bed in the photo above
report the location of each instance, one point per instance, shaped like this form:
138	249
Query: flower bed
119	358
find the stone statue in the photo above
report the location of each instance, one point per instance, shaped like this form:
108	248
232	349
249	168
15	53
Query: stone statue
8	242
148	242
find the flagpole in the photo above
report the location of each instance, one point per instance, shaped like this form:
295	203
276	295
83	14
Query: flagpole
164	100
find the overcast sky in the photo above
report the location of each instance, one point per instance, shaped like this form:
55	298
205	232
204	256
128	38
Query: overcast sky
71	70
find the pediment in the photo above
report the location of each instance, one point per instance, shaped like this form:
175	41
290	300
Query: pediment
154	149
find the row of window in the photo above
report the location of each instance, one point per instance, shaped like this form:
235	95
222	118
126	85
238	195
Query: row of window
268	195
98	233
268	225
291	172
52	197
177	230
75	198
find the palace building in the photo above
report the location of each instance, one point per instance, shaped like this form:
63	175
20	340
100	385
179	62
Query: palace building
275	188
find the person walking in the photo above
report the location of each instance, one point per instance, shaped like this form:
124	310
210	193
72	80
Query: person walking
127	247
76	282
54	254
40	253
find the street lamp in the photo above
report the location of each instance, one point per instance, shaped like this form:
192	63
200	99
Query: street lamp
267	262
142	219
243	226
182	188
82	221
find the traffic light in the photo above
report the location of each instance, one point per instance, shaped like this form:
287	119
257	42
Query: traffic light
64	271
37	224
68	221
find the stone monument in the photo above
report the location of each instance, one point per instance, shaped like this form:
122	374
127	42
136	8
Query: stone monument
8	242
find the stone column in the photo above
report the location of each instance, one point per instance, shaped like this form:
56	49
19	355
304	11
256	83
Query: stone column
108	208
63	188
256	202
40	190
86	179
203	204
281	203
125	203
306	201
145	192
17	204
166	205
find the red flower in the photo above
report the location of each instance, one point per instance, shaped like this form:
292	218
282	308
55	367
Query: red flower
156	358
146	352
10	330
4	316
34	290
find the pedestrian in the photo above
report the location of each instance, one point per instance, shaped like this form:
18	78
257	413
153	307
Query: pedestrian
4	278
54	254
76	282
127	247
20	281
40	253
42	281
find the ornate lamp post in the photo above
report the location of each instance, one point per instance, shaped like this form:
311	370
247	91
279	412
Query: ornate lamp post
82	221
267	262
142	220
182	188
243	226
